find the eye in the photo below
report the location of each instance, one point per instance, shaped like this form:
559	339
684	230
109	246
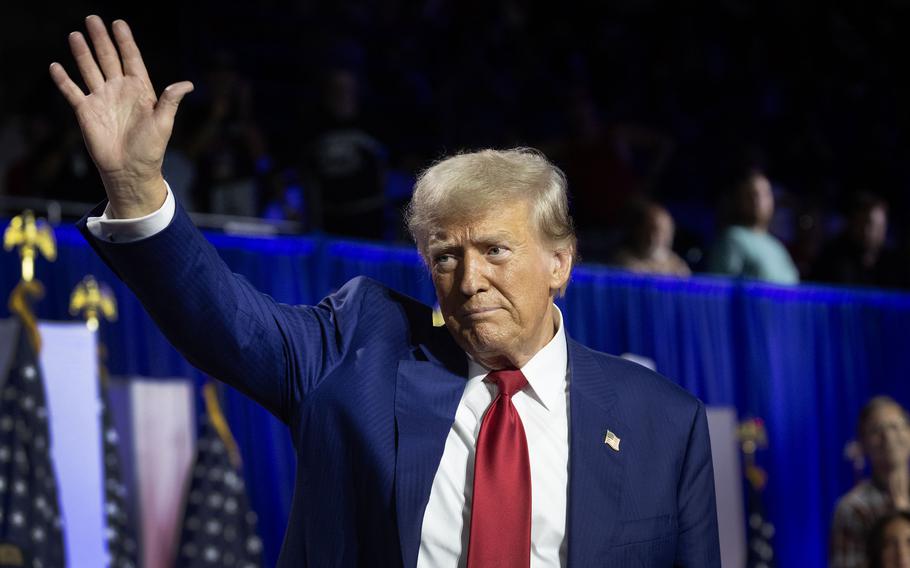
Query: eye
497	251
443	261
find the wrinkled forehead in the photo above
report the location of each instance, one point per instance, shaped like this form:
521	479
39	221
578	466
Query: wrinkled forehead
506	219
473	234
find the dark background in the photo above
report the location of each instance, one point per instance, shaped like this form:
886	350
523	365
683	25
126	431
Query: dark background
813	93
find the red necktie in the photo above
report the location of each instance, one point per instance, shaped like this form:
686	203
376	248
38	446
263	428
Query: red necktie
501	510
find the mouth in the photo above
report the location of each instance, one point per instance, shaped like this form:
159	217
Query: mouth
478	313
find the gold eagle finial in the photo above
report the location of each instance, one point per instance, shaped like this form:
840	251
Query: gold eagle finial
91	300
30	237
753	437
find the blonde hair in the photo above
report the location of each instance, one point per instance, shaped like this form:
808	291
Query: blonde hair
468	185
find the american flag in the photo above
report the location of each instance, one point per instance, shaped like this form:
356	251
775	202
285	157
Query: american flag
30	524
760	533
219	528
760	536
121	542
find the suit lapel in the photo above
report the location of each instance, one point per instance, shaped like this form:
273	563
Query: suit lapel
429	388
596	471
428	391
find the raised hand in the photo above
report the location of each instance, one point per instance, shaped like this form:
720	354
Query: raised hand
126	127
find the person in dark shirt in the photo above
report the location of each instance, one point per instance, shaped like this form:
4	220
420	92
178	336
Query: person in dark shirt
858	256
223	141
343	163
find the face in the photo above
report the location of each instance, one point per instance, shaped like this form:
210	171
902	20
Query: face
757	200
662	229
874	228
886	438
656	232
896	544
495	281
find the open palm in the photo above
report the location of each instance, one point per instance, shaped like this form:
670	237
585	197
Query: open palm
125	126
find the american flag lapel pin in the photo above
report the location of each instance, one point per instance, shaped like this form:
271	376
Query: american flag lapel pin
612	440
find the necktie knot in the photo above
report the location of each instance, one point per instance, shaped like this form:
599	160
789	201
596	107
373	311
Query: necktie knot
509	381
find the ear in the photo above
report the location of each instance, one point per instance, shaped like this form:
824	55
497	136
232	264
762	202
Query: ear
560	268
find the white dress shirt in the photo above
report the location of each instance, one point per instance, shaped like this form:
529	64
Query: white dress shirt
128	230
542	405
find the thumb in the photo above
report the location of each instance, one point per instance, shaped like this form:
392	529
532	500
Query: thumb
166	108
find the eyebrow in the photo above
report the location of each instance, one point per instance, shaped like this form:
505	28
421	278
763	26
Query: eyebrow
442	237
488	238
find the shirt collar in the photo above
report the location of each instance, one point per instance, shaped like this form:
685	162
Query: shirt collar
546	371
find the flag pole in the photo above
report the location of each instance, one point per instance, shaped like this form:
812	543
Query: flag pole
213	408
31	238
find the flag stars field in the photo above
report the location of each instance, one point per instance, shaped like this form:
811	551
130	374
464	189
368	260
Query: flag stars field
27	478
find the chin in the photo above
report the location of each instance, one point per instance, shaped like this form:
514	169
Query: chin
484	342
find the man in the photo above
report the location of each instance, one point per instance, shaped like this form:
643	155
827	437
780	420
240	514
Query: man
494	441
746	248
859	256
884	434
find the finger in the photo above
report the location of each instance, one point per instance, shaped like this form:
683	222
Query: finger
166	108
67	87
104	48
92	76
129	52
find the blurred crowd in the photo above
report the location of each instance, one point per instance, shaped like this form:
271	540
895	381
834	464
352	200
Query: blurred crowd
766	140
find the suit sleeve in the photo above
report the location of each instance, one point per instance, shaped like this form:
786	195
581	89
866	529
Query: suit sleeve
698	544
272	352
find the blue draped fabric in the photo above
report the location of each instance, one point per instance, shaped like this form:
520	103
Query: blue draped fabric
803	359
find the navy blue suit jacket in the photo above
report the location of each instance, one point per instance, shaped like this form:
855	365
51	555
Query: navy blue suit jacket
368	388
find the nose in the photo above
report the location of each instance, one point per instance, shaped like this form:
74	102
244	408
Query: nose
472	274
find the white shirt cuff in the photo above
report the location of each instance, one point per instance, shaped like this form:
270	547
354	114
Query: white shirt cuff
129	230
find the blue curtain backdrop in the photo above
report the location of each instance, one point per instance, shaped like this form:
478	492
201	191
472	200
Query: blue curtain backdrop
803	359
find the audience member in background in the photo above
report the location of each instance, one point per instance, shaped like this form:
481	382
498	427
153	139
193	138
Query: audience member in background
884	435
746	248
54	164
808	237
343	164
858	255
889	542
648	245
609	165
902	252
12	138
225	141
180	169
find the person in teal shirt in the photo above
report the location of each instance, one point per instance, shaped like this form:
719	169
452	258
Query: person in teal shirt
746	248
